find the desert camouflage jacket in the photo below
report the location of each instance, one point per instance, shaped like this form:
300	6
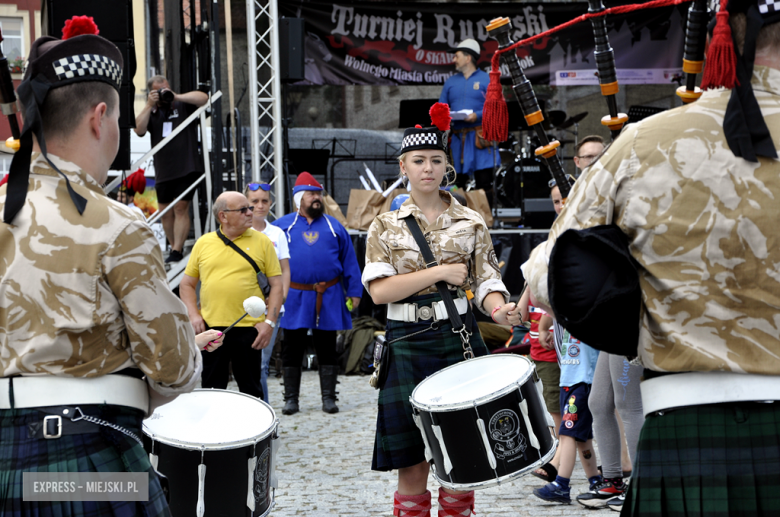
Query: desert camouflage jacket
459	235
703	225
86	295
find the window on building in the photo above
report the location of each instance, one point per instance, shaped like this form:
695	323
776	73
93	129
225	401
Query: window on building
13	38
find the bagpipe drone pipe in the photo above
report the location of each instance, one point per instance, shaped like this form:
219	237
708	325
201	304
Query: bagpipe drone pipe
495	113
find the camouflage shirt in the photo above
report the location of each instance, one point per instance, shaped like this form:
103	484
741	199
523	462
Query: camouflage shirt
702	224
87	295
458	236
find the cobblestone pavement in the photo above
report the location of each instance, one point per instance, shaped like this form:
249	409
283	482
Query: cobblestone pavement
324	462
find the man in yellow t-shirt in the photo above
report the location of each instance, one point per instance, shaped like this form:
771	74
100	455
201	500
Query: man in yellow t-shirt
227	279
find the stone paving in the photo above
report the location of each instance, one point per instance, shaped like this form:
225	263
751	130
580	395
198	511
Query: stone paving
324	462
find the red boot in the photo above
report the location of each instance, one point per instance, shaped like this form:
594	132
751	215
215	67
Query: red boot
456	505
412	505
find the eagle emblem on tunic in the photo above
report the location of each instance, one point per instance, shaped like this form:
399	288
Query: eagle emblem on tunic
311	237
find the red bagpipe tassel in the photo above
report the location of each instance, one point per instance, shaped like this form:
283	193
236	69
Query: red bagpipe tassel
721	66
495	114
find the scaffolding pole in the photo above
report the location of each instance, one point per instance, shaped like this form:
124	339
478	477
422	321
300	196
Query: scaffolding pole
265	91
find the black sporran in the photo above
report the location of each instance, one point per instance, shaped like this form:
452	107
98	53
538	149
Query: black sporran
381	362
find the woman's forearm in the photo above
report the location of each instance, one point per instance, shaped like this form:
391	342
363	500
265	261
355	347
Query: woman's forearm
394	288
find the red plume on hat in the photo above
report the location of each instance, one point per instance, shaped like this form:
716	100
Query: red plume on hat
136	182
440	116
79	25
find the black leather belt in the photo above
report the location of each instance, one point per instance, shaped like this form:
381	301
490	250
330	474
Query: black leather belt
57	423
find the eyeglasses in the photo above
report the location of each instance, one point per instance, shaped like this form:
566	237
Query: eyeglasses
588	157
552	183
247	209
254	186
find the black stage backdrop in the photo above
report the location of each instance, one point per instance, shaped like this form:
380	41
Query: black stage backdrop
410	43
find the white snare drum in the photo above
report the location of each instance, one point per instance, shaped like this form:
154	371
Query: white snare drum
483	421
217	449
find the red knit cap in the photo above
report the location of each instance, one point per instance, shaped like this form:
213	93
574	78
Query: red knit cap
306	181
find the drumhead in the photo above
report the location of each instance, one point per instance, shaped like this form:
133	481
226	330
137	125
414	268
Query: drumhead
211	420
472	382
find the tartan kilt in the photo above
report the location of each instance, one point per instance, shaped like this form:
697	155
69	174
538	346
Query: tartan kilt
105	451
710	460
398	442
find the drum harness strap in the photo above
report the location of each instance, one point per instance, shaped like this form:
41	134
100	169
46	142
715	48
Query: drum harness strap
458	327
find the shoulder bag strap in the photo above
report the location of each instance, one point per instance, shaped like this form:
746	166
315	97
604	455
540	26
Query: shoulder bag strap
430	261
230	243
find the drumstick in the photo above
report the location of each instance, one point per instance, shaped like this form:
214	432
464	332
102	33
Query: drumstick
234	324
254	306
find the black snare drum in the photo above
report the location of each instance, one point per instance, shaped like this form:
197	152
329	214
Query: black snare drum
217	449
483	421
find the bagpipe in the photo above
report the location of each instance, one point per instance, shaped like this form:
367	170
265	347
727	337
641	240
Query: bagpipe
594	262
495	114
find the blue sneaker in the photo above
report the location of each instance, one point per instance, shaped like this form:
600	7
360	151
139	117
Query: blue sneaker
553	493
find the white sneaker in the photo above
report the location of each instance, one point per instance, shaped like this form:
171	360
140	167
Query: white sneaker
616	503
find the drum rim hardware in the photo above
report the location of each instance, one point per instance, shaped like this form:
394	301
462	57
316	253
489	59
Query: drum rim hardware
498	480
220	446
459	406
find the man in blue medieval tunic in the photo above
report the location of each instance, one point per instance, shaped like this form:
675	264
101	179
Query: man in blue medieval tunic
471	156
323	270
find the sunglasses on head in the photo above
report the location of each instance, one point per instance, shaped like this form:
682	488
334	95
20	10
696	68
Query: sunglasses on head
254	186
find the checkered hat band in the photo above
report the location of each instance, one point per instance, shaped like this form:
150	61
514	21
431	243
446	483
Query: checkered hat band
768	6
88	65
420	139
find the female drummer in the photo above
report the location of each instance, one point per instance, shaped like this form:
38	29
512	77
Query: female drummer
395	274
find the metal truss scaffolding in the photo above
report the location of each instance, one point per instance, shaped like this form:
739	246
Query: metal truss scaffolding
265	101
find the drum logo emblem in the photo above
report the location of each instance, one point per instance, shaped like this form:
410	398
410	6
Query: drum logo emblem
261	476
505	429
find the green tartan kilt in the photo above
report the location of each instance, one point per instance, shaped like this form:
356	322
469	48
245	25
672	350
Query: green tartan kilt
711	460
105	451
398	442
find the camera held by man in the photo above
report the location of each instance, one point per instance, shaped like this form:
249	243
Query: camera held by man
166	96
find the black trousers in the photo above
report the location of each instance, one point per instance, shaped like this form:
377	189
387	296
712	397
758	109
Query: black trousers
236	349
296	341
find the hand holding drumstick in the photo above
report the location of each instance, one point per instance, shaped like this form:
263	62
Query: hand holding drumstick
210	340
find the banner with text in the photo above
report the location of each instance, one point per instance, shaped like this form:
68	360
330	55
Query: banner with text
411	43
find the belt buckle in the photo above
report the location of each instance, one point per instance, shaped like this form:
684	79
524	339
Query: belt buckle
425	312
46	420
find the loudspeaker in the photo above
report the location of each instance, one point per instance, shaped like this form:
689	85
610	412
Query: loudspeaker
291	49
114	19
538	212
122	160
